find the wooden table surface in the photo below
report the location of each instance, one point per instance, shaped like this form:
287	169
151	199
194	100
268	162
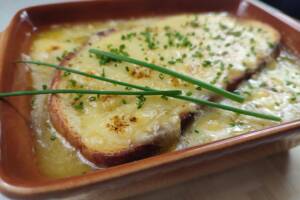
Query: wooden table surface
273	178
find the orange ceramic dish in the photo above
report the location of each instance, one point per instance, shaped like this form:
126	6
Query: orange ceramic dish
19	174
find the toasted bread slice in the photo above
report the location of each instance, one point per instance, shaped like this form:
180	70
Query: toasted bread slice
109	130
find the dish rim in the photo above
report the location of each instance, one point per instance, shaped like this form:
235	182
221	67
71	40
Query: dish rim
154	161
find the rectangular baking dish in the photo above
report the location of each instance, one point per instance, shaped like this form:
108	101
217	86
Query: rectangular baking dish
19	176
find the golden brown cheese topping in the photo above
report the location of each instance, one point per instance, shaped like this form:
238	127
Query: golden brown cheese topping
215	48
275	90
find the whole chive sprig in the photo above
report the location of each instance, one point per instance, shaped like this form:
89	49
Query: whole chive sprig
164	70
100	92
185	98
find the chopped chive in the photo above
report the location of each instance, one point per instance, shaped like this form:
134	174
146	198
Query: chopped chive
140	101
124	101
44	87
189	93
79	106
52	137
66	74
103	72
161	76
72	82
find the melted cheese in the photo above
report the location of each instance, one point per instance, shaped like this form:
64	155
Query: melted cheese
276	90
215	48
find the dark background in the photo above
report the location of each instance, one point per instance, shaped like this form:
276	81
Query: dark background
290	7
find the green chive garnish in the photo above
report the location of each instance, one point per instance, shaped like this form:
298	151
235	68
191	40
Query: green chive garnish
164	70
185	98
100	92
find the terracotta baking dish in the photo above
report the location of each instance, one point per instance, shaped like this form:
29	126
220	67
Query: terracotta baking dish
19	177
